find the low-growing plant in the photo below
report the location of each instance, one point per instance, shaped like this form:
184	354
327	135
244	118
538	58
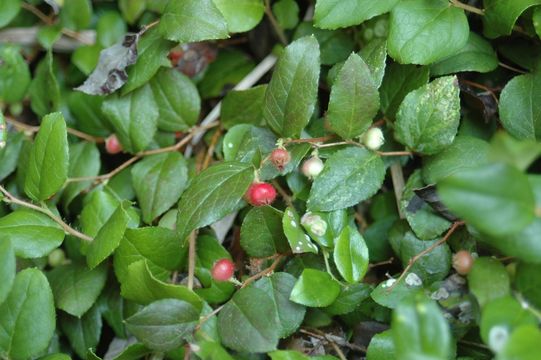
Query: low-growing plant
254	179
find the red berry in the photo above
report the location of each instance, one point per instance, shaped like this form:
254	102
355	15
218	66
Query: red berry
260	193
280	158
462	262
112	145
223	270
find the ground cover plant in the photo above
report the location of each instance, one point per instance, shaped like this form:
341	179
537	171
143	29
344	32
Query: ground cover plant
256	179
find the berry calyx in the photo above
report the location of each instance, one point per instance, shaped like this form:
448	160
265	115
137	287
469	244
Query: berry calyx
112	145
312	167
373	139
260	193
223	270
462	262
280	158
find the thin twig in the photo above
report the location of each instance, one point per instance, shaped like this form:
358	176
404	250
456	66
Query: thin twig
340	143
467	7
277	29
265	272
191	259
207	317
509	67
384	262
482	87
288	199
323	336
68	229
394	153
35	129
429	249
211	148
310	140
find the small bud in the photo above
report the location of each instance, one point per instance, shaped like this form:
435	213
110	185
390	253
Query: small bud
314	223
112	145
312	167
56	258
373	138
260	193
462	262
280	158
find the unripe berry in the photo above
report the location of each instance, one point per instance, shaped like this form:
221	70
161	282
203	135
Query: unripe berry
56	257
373	139
280	158
462	262
223	270
312	167
260	193
112	145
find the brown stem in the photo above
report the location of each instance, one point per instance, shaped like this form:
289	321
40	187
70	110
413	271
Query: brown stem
191	260
68	229
205	318
211	148
394	153
283	193
274	23
509	67
429	249
467	7
384	262
310	140
265	272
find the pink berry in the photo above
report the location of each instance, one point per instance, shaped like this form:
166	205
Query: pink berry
260	193
463	262
223	270
112	145
312	167
280	158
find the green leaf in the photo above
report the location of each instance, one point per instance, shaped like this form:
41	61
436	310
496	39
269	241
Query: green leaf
9	155
83	333
315	288
84	161
350	176
142	287
164	324
278	287
44	91
519	110
7	268
495	198
160	247
389	297
335	46
48	165
478	55
76	14
86	58
351	255
192	21
426	31
522	344
374	55
518	153
428	118
297	151
464	153
500	16
76	288
349	299
261	234
354	99
424	221
110	29
177	100
134	118
528	283
152	51
332	14
27	316
212	194
249	321
14	73
48	35
287	13
8	10
132	9
297	238
420	331
248	143
399	81
381	347
159	180
488	280
241	15
98	208
32	234
109	236
210	350
292	92
243	107
287	355
506	314
86	109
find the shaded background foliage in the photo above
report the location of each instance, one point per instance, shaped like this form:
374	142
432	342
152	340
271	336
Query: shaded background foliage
131	130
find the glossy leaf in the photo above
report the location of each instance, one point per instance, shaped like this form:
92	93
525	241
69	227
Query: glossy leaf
83	333
354	99
48	164
261	232
241	15
488	280
7	268
332	14
84	162
315	288
243	107
351	255
426	31
14	73
297	238
27	316
8	10
44	91
350	176
428	118
291	94
500	16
